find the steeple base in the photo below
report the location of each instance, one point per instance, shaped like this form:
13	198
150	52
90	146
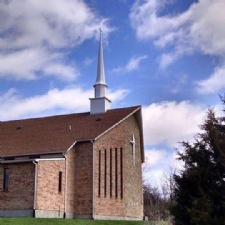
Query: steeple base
99	105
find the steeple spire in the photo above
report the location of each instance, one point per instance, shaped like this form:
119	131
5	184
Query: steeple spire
100	85
100	104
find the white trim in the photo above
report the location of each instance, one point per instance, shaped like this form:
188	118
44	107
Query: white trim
117	123
50	159
78	141
28	160
71	146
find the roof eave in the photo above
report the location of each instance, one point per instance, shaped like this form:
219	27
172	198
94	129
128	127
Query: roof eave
32	154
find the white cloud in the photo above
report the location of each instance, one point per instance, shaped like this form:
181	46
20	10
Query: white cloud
23	64
158	163
117	95
68	100
174	163
166	124
34	32
153	157
64	72
166	59
57	23
200	28
28	63
132	64
88	61
214	83
171	122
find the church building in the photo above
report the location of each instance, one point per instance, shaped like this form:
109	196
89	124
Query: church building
83	165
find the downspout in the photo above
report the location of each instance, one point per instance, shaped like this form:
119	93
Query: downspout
65	189
93	179
35	188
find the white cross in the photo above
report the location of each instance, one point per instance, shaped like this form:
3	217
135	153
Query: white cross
133	148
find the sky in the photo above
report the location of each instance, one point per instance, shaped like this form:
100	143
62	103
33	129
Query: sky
166	55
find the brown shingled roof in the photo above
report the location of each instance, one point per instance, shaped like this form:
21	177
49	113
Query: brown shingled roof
56	133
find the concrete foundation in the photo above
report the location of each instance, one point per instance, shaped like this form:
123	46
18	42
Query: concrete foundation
85	217
102	217
16	213
69	215
48	214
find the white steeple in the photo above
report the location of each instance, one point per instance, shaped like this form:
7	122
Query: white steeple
100	104
100	85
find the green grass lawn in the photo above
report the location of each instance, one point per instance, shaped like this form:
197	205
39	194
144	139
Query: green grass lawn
32	221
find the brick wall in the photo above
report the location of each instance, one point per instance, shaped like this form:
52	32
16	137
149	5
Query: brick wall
120	186
133	172
70	167
20	194
83	178
79	179
48	195
109	202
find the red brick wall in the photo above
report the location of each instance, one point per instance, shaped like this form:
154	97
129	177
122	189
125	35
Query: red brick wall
129	202
20	194
133	172
83	178
108	204
70	167
79	179
48	195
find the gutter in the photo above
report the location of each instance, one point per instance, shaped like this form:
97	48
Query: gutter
16	161
33	154
28	160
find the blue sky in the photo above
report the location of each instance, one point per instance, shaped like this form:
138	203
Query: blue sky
166	55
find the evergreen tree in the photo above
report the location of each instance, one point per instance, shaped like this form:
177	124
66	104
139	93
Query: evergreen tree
200	188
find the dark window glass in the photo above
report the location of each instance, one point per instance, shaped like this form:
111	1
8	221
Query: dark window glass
99	173
116	173
60	181
110	168
121	172
105	188
6	179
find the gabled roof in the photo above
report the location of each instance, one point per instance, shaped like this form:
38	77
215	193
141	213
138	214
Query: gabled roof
57	133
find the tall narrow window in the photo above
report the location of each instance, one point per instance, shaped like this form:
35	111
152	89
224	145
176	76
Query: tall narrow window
99	173
60	181
116	173
6	179
110	173
105	181
121	172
